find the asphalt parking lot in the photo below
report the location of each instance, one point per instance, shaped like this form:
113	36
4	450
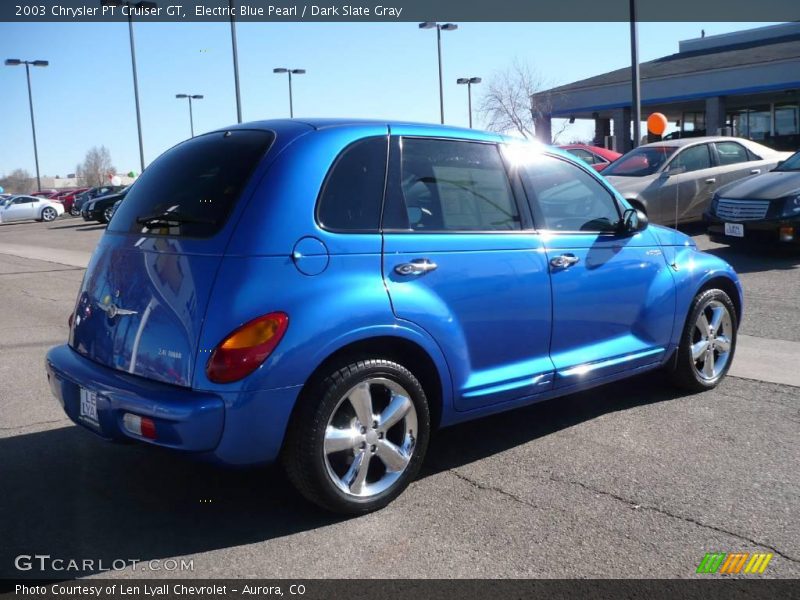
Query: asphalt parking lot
633	479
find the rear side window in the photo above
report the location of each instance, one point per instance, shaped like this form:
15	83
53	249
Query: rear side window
731	153
352	194
447	185
191	189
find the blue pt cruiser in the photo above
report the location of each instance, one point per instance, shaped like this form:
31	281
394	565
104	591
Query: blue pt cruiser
327	292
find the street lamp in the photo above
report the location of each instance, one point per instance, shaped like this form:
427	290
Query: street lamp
190	97
469	81
235	63
290	72
439	28
15	62
129	4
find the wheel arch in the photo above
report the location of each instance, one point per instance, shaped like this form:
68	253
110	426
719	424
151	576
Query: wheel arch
398	349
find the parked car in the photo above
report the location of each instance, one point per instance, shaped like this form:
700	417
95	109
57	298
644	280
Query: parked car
677	135
673	181
91	194
763	207
596	156
67	197
102	208
25	208
326	293
50	194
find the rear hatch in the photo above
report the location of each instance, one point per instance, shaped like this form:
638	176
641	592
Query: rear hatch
145	292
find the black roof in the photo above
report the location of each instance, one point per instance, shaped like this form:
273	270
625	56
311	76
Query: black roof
682	63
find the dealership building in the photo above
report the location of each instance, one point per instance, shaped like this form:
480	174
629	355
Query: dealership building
745	84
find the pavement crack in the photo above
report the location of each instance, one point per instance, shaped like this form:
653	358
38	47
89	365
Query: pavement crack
666	513
492	488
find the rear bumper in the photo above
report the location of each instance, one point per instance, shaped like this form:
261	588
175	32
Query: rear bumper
231	428
766	230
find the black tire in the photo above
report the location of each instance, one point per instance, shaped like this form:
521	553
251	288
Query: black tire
102	217
304	458
685	372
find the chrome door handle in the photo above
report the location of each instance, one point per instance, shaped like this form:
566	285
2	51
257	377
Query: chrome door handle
711	180
418	266
755	171
564	261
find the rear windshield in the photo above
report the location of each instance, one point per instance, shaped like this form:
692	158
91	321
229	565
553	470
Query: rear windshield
191	189
640	162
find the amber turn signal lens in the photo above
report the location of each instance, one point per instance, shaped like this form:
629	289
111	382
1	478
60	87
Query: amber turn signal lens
246	348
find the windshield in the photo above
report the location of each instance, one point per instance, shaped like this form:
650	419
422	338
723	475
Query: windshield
790	164
640	162
191	189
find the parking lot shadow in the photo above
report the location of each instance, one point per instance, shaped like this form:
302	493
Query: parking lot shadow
753	258
67	494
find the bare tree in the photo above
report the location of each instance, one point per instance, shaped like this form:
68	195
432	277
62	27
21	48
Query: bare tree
19	181
513	101
96	167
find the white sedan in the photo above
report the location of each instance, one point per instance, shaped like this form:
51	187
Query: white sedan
25	208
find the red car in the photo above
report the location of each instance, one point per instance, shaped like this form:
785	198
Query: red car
67	197
599	158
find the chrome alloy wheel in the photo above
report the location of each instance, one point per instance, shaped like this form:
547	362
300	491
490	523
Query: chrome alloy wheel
370	437
49	214
711	340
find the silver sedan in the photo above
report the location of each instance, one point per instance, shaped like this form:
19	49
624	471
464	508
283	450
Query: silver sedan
673	181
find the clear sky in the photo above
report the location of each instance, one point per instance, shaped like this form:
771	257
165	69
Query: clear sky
376	70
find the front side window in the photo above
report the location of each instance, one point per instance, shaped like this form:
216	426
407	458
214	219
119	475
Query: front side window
694	158
731	153
353	190
567	198
585	156
640	162
191	189
448	185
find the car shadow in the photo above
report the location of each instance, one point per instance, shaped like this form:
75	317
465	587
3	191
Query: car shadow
754	258
73	496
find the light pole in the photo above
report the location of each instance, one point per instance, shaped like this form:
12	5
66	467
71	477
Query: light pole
129	4
439	28
235	64
15	62
636	104
290	72
190	97
469	81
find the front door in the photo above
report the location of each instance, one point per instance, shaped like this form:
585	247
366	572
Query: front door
461	262
19	209
692	181
613	294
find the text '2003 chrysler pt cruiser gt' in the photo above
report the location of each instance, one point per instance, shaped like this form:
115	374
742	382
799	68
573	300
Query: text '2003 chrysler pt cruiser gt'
326	293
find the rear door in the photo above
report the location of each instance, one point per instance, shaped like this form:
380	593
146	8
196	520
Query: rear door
613	295
694	185
736	162
461	261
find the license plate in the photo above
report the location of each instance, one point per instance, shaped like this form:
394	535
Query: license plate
734	229
89	407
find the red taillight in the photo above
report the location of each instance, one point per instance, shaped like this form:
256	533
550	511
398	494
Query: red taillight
243	351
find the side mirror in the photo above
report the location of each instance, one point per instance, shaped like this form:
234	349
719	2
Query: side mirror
633	221
780	162
670	171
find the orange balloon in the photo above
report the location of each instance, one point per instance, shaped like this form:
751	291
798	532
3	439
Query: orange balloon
657	123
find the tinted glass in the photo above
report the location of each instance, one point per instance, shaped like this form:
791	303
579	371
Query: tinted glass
566	198
191	189
455	186
692	159
353	190
731	153
790	164
640	162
